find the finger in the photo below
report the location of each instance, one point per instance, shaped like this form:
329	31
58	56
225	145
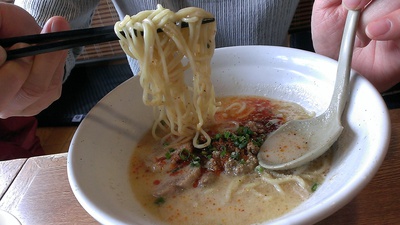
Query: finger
54	24
45	69
52	94
45	64
14	73
380	11
386	28
326	3
30	100
43	73
355	4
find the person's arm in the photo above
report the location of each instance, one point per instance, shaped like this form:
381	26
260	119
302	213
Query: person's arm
377	48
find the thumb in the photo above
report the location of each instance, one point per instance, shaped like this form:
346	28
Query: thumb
54	24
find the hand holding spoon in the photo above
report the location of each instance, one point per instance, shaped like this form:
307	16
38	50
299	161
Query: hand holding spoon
298	142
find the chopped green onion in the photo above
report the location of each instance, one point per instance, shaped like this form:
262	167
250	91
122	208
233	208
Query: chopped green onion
195	162
223	148
159	201
258	142
242	131
223	153
235	155
314	187
168	154
184	154
259	169
242	144
227	134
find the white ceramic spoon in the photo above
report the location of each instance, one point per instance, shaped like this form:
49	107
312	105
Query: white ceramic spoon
301	141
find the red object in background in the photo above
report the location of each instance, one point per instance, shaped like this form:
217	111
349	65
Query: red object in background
18	138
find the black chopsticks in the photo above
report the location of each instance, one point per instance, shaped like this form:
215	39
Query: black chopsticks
50	42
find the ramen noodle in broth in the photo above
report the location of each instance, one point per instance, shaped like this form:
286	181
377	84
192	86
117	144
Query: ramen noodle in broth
198	163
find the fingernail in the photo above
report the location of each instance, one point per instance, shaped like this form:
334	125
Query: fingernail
53	27
379	28
352	4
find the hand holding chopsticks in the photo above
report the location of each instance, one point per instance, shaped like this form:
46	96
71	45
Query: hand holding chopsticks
49	42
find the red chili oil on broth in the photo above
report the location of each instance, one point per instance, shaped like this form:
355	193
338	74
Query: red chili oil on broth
223	183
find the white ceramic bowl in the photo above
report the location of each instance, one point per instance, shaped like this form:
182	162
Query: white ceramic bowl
101	149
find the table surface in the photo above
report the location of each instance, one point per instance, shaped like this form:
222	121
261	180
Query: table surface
36	191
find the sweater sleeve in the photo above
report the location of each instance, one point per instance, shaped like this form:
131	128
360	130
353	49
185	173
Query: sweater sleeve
77	12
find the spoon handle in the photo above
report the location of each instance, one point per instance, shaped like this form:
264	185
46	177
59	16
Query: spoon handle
341	89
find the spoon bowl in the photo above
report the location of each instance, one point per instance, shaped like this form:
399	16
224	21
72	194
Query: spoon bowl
301	141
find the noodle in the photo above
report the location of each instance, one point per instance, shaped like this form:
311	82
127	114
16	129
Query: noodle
181	109
240	105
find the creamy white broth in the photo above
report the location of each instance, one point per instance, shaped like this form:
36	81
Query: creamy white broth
249	198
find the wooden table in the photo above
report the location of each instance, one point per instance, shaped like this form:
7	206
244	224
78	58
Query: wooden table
40	192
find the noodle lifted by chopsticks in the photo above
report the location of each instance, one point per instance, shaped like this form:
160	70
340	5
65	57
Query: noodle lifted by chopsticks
181	110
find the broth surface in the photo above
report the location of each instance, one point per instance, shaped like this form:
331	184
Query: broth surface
253	197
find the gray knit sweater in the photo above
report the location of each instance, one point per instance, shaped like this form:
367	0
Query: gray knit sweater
239	22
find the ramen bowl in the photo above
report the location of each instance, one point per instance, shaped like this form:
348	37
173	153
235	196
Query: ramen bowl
102	147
